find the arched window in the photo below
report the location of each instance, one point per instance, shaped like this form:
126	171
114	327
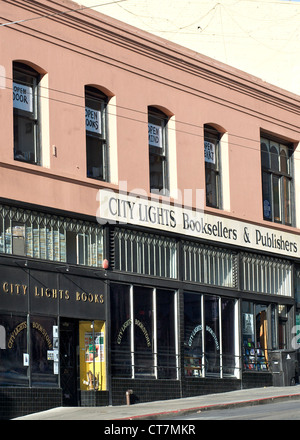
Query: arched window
212	167
158	163
276	181
96	137
26	113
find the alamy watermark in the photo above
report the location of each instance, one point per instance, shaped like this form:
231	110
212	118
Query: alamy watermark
295	343
182	208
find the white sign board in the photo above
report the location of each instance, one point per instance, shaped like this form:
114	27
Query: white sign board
93	120
25	359
22	97
129	209
155	135
209	152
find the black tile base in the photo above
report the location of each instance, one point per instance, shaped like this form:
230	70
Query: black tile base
17	402
208	385
256	380
144	390
94	398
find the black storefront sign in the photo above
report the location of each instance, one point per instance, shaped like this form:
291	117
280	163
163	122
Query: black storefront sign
14	291
51	293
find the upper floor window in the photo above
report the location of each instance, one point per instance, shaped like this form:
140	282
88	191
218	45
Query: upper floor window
25	107
212	168
158	163
96	137
276	181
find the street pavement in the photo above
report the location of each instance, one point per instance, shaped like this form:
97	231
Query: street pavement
168	409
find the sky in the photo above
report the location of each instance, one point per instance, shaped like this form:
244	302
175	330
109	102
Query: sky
260	37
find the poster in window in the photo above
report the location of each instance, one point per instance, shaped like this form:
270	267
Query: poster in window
209	152
248	324
22	97
93	120
155	135
94	350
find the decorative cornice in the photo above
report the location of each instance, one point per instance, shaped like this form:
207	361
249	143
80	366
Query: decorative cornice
114	32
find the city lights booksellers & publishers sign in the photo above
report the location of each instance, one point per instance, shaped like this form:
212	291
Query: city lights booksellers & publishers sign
129	209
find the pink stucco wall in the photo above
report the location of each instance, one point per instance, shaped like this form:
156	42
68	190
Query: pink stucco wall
138	70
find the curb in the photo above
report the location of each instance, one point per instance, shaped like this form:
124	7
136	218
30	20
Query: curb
240	404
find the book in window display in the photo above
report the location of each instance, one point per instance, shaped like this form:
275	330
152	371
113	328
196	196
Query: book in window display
254	357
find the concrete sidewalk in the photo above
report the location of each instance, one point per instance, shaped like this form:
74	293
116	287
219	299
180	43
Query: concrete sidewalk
168	409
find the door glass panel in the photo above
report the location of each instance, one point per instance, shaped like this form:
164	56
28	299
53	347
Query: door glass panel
68	347
92	356
121	324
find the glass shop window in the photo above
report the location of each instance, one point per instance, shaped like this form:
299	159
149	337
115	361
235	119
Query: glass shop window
120	331
143	332
212	335
229	358
193	336
92	355
13	351
166	337
209	336
26	113
255	336
44	351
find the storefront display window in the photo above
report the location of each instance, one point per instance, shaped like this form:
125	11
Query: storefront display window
143	332
210	346
14	359
255	336
45	351
193	337
92	355
229	358
212	335
120	330
166	345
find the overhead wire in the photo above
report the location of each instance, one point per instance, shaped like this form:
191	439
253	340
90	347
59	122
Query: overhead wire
117	106
60	13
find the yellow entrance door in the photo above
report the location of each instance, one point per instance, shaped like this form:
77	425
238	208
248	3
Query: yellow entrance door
92	355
